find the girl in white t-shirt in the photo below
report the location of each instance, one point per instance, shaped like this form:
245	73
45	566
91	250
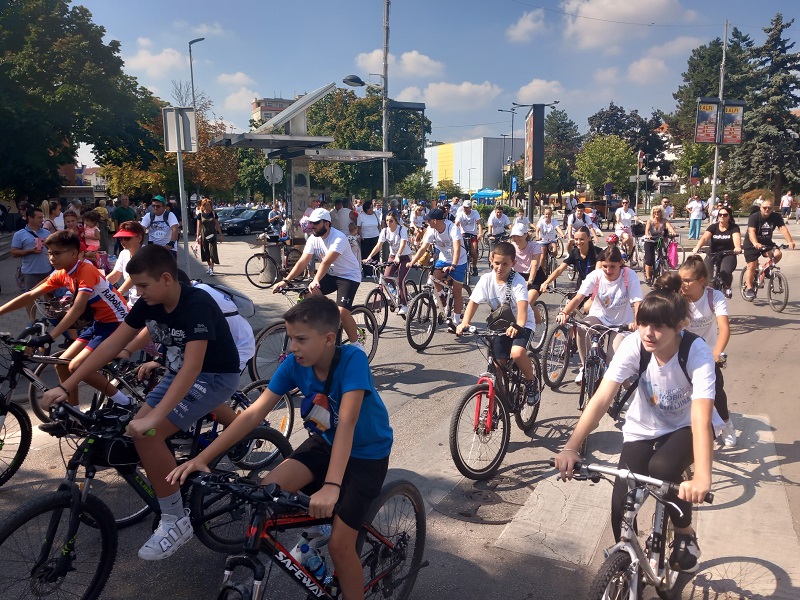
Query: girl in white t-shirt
131	237
616	294
708	318
625	217
396	236
669	423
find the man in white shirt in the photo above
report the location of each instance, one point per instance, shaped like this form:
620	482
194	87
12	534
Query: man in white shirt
577	220
496	224
455	205
340	216
452	258
667	208
786	205
338	269
695	209
162	227
469	223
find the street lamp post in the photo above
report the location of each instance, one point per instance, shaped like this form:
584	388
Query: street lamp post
503	159
194	102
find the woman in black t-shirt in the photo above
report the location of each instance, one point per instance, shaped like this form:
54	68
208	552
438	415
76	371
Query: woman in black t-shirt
722	235
582	258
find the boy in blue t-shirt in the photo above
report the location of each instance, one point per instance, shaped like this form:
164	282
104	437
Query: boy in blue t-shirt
347	458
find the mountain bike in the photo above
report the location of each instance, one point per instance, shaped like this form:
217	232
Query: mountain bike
560	345
385	296
628	567
430	308
66	541
481	426
768	275
715	279
390	544
261	269
272	342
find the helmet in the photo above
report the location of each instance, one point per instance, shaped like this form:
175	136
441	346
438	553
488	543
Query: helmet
612	239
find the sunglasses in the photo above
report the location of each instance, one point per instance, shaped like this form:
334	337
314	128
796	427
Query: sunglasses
722	214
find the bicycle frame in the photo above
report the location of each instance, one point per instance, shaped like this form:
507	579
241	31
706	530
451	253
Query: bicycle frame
437	286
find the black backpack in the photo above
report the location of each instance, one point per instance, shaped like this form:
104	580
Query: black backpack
683	354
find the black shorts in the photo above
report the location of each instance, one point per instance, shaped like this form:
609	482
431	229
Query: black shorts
751	253
502	343
362	483
538	279
345	289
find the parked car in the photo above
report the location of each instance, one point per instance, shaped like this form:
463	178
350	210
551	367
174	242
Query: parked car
248	222
229	212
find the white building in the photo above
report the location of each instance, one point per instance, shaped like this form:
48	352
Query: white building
473	164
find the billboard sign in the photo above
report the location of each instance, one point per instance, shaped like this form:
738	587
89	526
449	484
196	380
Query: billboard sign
705	130
534	143
733	122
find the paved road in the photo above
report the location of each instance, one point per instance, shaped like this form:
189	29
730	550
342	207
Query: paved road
523	535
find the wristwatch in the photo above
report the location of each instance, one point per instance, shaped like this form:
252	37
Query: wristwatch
171	243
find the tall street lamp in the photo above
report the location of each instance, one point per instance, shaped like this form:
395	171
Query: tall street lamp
194	102
513	112
503	160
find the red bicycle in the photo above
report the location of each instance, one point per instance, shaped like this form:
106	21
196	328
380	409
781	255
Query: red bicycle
768	275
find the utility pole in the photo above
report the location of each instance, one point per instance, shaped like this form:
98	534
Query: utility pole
721	88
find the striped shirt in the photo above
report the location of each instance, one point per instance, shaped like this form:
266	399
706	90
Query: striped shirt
105	302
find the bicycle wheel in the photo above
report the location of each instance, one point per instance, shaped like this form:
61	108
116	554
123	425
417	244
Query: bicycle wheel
527	413
556	356
613	580
87	395
281	418
778	291
743	286
261	270
272	347
681	255
539	335
482	245
396	516
589	383
411	289
368	331
571	273
40	557
220	519
478	447
559	247
115	492
16	432
377	303
421	320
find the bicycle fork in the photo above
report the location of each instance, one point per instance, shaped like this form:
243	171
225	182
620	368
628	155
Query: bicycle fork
479	425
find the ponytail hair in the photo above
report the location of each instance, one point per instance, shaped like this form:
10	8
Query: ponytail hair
665	306
696	266
610	254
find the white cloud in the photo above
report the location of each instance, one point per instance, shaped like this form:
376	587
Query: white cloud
415	64
155	65
647	70
680	46
155	90
240	100
206	29
410	94
528	24
606	76
540	90
593	27
411	64
144	42
237	78
460	96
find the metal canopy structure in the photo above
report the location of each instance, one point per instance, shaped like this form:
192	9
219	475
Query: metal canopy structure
297	146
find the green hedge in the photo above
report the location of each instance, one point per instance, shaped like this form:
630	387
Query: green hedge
486	209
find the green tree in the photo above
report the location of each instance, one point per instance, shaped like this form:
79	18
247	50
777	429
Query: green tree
60	85
770	154
604	159
251	173
640	133
449	188
691	154
701	78
558	177
562	140
417	185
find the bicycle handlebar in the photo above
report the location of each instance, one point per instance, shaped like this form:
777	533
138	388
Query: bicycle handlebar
586	468
599	326
251	491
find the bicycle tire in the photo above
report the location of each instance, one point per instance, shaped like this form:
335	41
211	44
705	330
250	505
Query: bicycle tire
26	575
571	273
476	451
272	347
292	256
280	418
668	591
482	244
368	331
218	518
559	248
234	591
539	335
398	516
411	289
743	287
421	320
87	395
612	580
16	433
261	270
377	303
778	291
557	353
589	383
527	413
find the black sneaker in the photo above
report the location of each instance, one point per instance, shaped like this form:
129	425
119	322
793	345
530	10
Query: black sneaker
451	326
54	428
532	393
685	553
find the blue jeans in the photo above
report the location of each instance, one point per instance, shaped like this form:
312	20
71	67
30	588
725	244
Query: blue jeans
694	228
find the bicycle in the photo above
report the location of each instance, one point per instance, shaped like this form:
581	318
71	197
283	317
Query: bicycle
390	544
768	274
261	269
492	240
481	426
67	540
628	568
560	345
715	280
662	265
430	308
272	342
385	297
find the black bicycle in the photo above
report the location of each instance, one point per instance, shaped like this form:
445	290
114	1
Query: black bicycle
390	544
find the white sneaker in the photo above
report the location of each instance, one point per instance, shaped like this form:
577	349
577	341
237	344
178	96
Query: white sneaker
359	345
579	377
171	533
211	271
728	435
402	310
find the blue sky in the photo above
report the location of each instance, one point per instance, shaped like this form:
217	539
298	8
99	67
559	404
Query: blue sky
463	58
